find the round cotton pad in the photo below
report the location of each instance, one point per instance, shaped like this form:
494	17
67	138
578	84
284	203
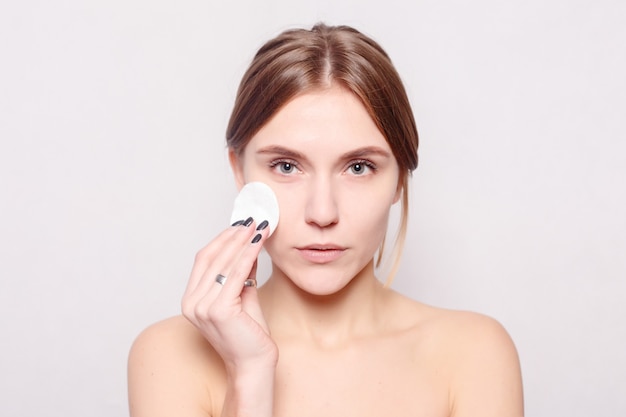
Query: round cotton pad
256	200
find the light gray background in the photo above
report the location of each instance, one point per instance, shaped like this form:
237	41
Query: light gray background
113	174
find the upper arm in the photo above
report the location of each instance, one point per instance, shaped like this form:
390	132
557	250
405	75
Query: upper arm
487	381
163	374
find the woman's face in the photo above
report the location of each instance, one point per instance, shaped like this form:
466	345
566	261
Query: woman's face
335	178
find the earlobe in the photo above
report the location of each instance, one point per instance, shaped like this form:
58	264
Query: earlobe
401	186
396	197
236	167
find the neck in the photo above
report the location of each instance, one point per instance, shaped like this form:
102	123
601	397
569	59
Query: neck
326	320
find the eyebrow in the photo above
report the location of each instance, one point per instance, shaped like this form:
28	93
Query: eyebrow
279	150
355	154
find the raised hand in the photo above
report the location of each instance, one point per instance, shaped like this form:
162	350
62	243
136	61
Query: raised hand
221	298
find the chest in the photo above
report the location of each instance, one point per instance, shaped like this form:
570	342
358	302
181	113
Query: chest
362	380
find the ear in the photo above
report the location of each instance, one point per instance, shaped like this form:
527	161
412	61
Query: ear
401	184
236	164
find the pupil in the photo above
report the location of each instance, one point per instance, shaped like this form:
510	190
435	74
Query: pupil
357	167
286	167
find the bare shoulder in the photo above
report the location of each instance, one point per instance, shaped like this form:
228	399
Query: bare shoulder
487	379
468	332
170	368
450	325
477	355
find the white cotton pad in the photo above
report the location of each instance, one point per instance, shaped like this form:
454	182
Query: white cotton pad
256	200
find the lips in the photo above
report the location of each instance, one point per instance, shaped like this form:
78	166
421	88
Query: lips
321	253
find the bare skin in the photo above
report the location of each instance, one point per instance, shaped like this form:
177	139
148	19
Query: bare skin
417	361
323	336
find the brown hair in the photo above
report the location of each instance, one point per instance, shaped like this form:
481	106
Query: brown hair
298	61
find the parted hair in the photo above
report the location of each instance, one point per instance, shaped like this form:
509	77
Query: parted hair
298	61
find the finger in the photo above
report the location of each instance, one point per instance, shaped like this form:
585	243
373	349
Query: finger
207	254
245	267
252	274
206	308
202	282
218	258
250	304
224	263
251	280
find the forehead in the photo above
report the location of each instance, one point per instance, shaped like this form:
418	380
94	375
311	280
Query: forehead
332	118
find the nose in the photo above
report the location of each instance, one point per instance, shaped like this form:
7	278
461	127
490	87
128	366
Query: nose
321	207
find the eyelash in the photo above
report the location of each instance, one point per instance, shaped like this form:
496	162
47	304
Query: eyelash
368	164
278	162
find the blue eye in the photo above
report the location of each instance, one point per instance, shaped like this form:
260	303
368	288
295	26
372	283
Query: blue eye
286	167
361	167
358	168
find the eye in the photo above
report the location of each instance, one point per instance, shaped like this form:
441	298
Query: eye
361	167
285	167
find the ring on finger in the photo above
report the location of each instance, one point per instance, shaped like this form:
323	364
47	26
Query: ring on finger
220	279
249	283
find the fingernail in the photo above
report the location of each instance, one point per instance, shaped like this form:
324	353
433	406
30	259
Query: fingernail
248	221
256	238
262	225
237	223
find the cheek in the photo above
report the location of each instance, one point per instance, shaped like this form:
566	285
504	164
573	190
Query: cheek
368	214
291	212
369	221
370	200
290	202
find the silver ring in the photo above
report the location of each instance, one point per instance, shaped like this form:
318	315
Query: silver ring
220	279
249	283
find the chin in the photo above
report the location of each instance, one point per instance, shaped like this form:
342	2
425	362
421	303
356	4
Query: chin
319	290
320	281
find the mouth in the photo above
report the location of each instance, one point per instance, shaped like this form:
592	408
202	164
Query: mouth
321	253
322	247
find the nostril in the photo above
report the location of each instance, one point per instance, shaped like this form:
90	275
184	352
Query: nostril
321	209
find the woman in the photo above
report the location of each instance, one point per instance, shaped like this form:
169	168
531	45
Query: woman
321	117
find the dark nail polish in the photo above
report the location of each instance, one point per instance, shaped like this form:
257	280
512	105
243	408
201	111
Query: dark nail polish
237	223
262	225
256	238
248	221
